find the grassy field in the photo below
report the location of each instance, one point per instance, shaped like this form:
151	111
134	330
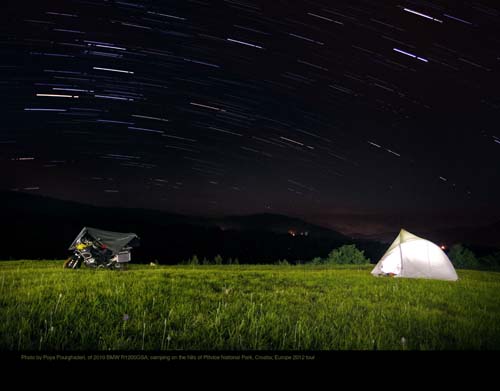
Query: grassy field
45	307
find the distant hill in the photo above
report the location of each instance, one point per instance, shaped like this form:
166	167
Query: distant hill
384	237
42	227
483	239
277	224
483	236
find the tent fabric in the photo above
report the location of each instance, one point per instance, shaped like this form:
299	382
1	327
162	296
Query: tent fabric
115	241
414	257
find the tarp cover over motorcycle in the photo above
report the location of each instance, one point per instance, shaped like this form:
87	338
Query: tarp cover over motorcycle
115	241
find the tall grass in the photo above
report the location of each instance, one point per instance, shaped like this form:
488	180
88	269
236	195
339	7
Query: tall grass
45	307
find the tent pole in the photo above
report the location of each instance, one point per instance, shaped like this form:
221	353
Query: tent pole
401	251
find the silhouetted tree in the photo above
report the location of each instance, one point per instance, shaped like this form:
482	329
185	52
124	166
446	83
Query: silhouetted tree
347	254
462	257
194	260
491	260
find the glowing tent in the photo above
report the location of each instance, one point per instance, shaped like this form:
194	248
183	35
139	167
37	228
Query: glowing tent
413	257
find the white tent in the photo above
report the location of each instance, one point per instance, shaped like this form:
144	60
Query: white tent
414	257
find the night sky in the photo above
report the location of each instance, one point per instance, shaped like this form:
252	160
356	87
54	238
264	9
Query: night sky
353	114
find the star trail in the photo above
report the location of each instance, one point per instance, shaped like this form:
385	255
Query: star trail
312	109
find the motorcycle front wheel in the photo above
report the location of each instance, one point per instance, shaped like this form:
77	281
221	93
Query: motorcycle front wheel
73	262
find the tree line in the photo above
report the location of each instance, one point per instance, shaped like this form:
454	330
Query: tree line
460	256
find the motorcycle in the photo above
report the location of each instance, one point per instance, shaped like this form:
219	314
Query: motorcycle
100	249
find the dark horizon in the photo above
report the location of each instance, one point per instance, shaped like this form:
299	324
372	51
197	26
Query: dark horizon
362	118
43	228
444	227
